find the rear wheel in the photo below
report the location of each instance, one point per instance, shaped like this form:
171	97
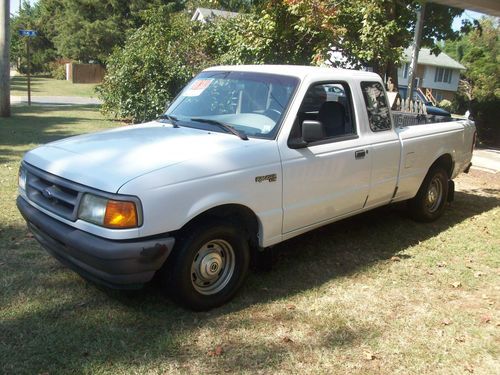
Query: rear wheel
208	265
430	201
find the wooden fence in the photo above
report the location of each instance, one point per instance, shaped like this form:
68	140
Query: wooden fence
84	73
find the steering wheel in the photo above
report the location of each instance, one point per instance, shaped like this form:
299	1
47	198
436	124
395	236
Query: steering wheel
272	113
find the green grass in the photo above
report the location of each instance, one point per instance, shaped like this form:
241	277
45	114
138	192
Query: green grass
373	294
43	86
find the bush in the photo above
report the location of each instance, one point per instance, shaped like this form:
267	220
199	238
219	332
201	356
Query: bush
486	113
446	105
57	70
156	61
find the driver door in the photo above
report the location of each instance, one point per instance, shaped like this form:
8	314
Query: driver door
330	177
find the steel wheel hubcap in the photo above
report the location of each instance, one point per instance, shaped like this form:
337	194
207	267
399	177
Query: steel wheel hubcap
434	195
212	267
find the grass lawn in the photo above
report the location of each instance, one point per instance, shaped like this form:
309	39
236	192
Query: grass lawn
375	294
43	86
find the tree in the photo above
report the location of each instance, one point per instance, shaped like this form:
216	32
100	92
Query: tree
86	30
279	32
365	32
479	88
378	31
42	49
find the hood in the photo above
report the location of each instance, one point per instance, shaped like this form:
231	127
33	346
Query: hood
109	159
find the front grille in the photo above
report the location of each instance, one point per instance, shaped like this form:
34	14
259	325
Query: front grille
52	193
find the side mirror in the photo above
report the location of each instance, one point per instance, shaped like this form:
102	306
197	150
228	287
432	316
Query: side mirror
312	131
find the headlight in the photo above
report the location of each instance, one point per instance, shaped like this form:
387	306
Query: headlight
22	178
107	212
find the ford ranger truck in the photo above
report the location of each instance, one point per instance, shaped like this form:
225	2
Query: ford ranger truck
244	158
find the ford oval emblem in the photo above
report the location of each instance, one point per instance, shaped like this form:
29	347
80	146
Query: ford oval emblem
47	193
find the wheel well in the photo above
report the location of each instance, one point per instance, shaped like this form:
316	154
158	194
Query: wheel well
236	213
446	162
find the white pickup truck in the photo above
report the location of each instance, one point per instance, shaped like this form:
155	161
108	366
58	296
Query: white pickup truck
245	157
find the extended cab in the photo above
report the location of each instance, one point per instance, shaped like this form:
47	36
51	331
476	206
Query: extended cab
244	158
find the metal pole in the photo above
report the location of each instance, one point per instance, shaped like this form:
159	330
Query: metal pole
29	68
4	58
416	48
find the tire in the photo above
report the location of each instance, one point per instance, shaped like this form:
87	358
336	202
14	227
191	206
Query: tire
430	202
208	265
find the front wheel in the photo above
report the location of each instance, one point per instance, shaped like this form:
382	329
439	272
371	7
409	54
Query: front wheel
208	265
430	201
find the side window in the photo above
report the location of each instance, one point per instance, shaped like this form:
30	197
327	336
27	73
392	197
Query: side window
330	104
376	105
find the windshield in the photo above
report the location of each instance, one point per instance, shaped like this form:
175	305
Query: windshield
251	103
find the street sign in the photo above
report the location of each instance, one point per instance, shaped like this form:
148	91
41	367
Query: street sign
30	33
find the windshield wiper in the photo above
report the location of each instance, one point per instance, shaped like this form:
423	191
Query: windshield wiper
171	118
226	127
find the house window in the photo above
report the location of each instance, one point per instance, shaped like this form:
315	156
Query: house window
443	75
406	67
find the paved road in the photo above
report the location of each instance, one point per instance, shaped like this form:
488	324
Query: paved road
55	100
487	160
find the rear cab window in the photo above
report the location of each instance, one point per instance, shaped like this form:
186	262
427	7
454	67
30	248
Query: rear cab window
376	106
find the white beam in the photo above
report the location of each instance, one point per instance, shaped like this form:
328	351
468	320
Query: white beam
491	7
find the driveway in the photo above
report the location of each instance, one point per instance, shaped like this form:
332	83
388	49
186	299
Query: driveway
487	160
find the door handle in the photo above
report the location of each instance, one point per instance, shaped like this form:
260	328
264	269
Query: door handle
360	154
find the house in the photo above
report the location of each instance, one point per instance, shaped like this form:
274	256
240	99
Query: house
205	15
436	76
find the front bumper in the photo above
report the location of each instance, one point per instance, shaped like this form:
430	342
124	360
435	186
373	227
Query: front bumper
117	264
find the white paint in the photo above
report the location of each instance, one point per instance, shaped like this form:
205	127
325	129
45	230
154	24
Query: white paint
179	173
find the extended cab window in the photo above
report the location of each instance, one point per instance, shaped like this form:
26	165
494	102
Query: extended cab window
329	104
376	105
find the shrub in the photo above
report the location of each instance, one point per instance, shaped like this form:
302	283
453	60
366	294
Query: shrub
57	70
446	105
155	63
486	113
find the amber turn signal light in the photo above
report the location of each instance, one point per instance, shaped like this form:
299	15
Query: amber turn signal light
120	214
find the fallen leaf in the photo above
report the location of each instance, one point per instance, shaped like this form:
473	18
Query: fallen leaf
370	356
446	322
287	340
469	368
291	307
485	319
396	259
456	284
217	352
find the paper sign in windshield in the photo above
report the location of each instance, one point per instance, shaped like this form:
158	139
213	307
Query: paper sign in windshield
197	87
